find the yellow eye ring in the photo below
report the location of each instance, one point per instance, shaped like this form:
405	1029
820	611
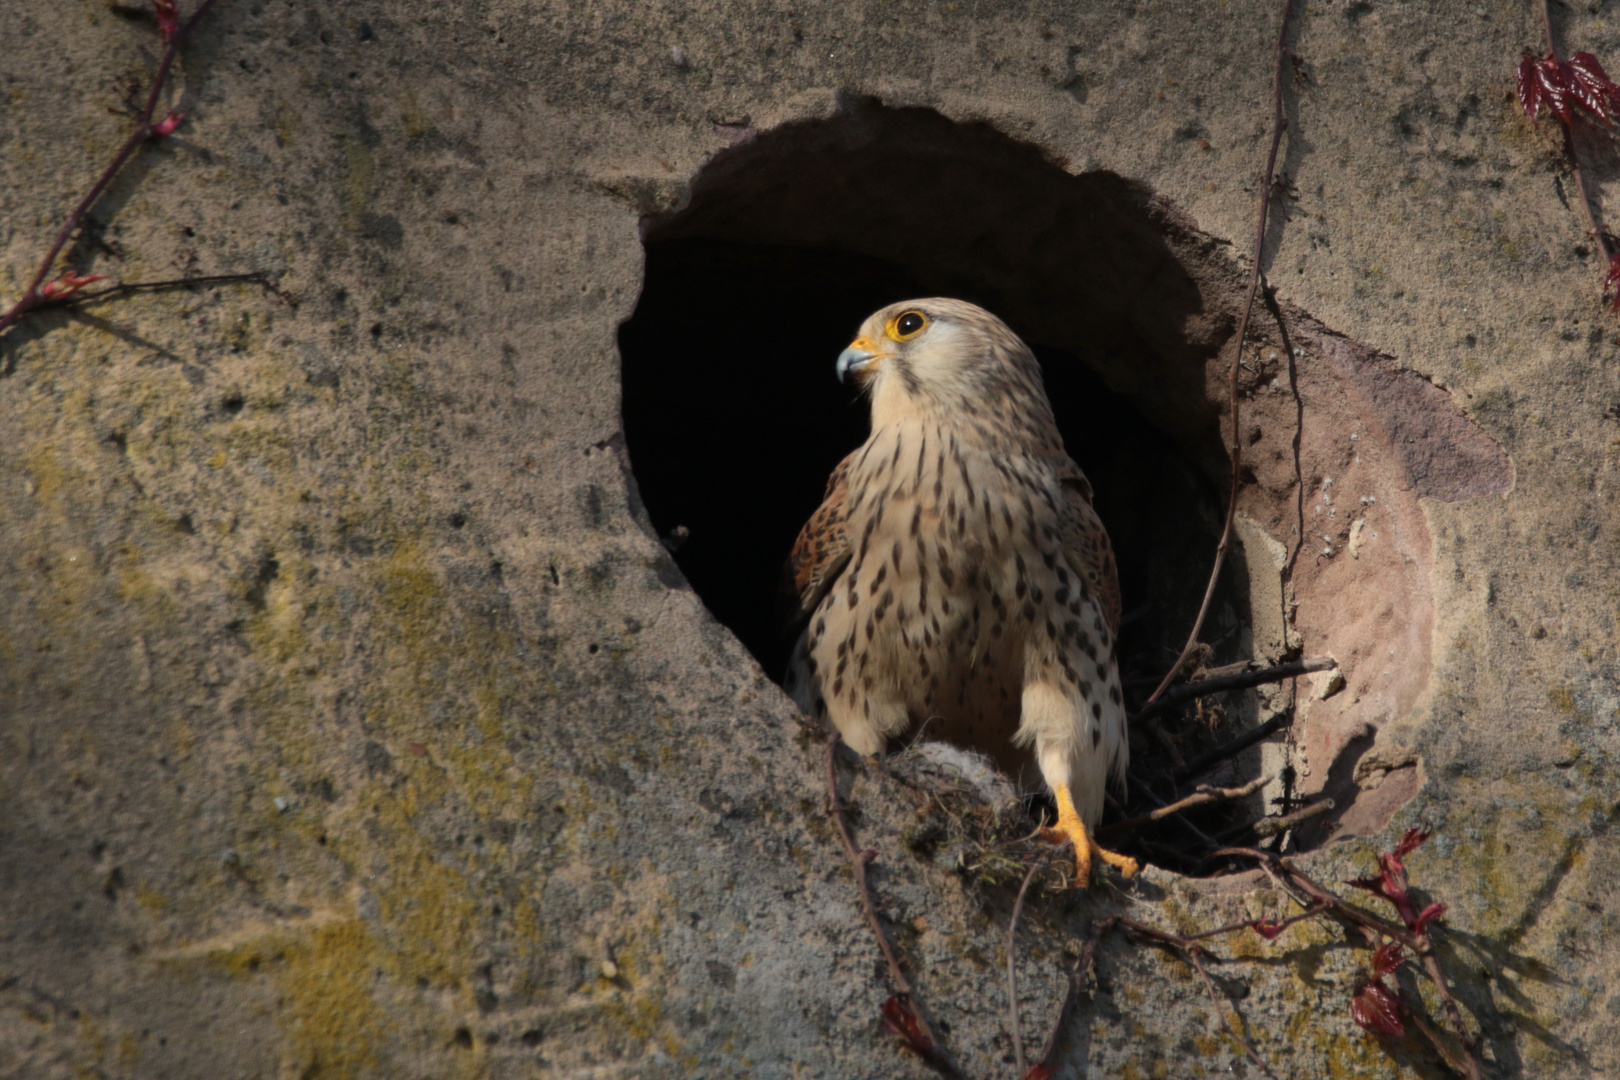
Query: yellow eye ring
906	325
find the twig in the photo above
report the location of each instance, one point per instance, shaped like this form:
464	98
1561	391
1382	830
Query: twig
1237	680
1276	826
255	277
902	1013
1592	218
1203	797
1012	966
1192	951
34	296
1279	124
1205	762
1077	983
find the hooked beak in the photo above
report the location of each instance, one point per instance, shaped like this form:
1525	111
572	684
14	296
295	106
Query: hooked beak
856	359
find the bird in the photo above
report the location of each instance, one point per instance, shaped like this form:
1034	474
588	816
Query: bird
956	575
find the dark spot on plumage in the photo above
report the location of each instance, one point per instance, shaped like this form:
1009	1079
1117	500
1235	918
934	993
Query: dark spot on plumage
1029	612
838	686
1061	595
1114	695
995	630
1096	738
1096	710
916	520
894	555
871	627
877	580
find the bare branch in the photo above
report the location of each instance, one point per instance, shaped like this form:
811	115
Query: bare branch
1279	124
35	295
1012	965
903	1012
1248	675
1205	762
1203	797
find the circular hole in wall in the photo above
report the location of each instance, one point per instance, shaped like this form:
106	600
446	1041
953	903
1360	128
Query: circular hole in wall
734	418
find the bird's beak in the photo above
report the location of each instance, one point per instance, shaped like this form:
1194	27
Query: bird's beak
861	356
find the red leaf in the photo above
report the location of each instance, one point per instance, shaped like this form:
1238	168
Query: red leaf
1373	885
1529	87
1038	1072
1410	842
1378	1009
1592	82
1388	958
1550	77
68	284
899	1018
1428	915
167	18
1267	928
167	125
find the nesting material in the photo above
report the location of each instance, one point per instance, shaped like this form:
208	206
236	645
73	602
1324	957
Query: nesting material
971	818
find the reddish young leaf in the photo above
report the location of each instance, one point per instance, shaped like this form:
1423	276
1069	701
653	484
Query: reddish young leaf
899	1018
1038	1072
1428	915
1553	91
1529	87
68	284
1378	1009
1267	928
1388	958
167	125
1611	281
1592	86
1410	842
168	18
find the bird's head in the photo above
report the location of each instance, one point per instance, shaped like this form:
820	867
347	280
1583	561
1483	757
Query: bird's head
941	357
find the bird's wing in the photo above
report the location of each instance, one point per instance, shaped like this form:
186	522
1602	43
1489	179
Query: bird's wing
1085	543
822	550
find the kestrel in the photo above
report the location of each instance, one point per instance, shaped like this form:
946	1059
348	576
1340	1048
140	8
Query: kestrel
956	574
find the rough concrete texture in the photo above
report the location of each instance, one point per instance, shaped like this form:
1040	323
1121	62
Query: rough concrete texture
356	724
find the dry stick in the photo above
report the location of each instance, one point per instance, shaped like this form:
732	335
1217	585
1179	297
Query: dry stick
1203	797
256	277
1569	148
1278	124
31	297
1191	951
1012	967
1077	983
1205	762
1238	680
858	858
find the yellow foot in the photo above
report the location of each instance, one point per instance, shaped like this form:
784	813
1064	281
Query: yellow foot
1069	827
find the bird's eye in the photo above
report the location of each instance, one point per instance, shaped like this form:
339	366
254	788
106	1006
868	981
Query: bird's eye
908	325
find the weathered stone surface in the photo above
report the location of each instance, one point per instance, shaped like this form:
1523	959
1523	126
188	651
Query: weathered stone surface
357	724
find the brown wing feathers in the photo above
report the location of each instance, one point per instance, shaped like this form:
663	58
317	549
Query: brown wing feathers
822	549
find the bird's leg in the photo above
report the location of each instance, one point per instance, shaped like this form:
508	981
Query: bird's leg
1070	827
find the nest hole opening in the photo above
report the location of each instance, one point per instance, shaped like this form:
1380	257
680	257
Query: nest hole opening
733	416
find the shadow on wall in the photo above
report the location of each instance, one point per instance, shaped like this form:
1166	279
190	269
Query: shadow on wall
733	416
